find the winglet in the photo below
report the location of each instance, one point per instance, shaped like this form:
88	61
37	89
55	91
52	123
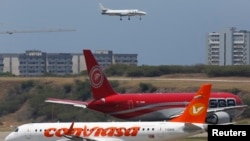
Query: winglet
196	110
70	130
99	83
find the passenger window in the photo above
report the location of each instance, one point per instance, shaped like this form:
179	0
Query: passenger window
213	103
231	102
222	103
16	130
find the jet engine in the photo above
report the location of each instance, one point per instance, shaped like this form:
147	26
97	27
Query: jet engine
219	118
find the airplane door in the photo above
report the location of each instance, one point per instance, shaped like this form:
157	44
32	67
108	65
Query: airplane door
28	134
161	130
130	104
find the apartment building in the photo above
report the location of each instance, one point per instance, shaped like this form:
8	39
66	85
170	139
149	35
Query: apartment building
37	63
228	47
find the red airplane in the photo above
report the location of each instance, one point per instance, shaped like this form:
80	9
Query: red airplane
223	107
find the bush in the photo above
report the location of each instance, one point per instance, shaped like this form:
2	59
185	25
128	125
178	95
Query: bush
144	87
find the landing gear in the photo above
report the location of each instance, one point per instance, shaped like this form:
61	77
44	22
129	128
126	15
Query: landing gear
128	17
120	18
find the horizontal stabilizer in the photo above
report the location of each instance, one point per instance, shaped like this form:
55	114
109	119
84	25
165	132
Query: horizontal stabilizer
75	103
189	127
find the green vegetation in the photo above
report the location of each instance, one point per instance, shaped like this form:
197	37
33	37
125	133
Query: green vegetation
151	71
247	111
32	93
6	74
147	87
27	96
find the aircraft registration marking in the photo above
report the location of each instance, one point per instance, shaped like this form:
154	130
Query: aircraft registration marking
169	129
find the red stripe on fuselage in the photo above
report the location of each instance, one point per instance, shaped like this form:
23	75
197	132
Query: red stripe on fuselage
126	106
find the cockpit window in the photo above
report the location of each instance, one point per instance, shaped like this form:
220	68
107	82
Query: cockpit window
16	130
231	102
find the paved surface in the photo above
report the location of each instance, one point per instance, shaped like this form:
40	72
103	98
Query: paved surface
3	135
201	135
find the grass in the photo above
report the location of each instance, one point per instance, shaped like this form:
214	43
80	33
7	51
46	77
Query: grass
183	83
220	83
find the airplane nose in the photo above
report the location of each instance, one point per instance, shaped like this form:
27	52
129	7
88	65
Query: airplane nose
9	137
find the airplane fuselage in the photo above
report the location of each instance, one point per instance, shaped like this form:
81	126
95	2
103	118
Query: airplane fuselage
102	131
158	106
132	12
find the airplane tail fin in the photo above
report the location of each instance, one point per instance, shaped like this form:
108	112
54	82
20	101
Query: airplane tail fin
196	111
99	83
101	6
103	9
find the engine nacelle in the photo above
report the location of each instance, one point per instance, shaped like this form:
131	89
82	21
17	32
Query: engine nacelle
219	118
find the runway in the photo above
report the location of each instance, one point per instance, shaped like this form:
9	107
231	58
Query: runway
3	135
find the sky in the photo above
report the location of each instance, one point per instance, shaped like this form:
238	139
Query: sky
172	33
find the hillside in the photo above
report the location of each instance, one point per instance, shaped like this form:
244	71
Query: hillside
166	83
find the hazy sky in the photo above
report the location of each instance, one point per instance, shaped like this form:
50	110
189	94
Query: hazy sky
172	33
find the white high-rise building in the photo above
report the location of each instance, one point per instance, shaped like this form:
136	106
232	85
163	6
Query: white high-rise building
228	47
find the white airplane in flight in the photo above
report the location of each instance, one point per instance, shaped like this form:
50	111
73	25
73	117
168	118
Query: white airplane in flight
191	122
121	13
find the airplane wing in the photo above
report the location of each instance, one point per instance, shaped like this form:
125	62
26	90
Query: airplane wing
70	136
239	107
122	14
75	138
233	111
75	103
